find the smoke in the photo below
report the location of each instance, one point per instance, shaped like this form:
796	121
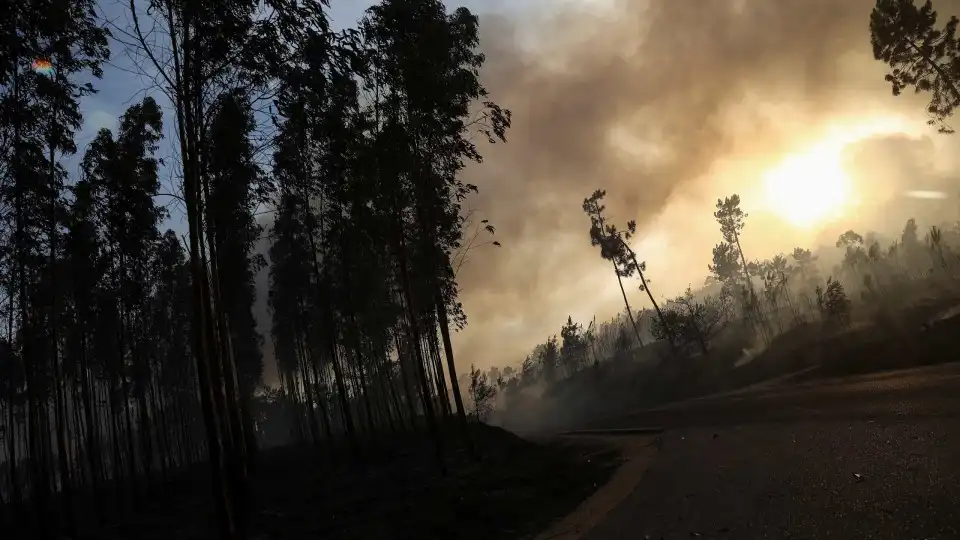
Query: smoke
667	105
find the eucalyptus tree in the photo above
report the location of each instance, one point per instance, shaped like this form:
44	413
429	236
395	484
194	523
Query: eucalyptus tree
121	174
175	376
84	257
39	121
424	67
237	189
310	168
289	285
209	48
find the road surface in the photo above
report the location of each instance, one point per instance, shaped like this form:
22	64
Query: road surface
870	457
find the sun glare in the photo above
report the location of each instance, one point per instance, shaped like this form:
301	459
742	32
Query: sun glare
811	186
808	188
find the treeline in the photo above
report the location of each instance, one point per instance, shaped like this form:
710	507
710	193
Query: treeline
129	353
751	301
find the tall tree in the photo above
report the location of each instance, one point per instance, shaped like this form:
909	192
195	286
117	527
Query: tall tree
732	220
614	246
237	188
210	48
39	120
609	249
425	66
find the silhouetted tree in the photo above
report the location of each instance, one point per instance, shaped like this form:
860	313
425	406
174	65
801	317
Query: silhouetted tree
236	190
693	320
835	302
615	247
732	221
609	248
482	394
905	37
573	347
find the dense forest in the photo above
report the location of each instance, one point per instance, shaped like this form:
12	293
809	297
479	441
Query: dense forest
129	352
130	357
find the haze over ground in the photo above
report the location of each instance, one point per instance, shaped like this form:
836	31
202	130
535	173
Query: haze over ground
668	105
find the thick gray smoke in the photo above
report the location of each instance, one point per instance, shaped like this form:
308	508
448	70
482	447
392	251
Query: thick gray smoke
646	99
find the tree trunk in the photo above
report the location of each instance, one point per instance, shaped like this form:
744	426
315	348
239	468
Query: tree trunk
237	457
372	425
386	374
441	382
405	378
11	418
201	347
415	338
331	340
322	402
633	323
308	389
646	289
761	323
452	369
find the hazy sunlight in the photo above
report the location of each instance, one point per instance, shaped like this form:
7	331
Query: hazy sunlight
812	186
808	188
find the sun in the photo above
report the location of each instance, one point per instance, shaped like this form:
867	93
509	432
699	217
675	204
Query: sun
810	187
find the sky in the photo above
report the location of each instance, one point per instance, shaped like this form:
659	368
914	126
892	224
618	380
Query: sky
668	105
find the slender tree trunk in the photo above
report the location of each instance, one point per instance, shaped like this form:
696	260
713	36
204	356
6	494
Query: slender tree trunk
371	423
633	323
11	420
761	323
322	400
309	388
442	392
392	388
66	497
415	337
201	347
330	331
92	446
646	288
354	336
452	369
235	403
403	359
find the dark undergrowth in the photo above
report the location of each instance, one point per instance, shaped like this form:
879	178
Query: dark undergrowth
514	489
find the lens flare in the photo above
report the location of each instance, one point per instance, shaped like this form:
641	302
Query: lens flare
43	67
926	194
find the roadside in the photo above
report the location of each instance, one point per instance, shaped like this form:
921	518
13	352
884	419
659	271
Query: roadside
827	479
636	453
870	456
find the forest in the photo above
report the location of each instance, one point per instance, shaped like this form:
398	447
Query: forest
129	353
133	402
865	287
